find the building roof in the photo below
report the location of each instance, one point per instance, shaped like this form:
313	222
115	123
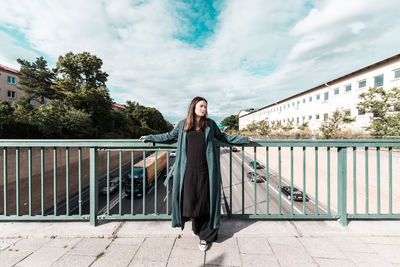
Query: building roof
116	105
5	68
387	60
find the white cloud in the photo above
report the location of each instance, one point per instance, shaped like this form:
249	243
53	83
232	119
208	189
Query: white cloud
259	53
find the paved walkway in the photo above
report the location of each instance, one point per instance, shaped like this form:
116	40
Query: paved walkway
241	243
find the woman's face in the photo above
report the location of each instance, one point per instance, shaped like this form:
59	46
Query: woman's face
201	108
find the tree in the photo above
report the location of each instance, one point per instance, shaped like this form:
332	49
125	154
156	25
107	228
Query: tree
288	127
232	122
263	127
276	125
84	81
252	127
36	80
333	125
303	126
383	105
80	71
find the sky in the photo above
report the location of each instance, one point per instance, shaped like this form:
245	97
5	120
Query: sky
237	54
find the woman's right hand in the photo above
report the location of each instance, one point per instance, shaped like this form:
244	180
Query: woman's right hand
142	138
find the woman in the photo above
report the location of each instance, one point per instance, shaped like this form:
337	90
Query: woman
196	192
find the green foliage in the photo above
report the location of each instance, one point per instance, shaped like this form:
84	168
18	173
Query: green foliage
332	127
261	127
252	127
232	122
288	126
36	80
149	117
303	126
382	104
276	125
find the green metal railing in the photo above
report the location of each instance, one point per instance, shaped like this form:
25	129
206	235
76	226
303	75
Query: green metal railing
76	164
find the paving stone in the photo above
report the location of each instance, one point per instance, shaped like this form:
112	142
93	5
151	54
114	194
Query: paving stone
225	243
390	252
30	244
130	241
116	255
90	246
45	256
321	247
6	243
154	249
290	252
255	260
383	240
136	263
223	255
251	245
186	257
334	262
367	259
351	244
9	258
74	260
63	242
147	229
187	242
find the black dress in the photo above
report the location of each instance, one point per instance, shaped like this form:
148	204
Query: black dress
196	189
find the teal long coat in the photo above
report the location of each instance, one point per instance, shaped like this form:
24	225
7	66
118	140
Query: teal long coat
212	132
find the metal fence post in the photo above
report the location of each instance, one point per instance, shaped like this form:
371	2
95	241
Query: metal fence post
342	185
93	186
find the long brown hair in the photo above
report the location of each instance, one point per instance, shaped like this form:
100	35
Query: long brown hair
191	117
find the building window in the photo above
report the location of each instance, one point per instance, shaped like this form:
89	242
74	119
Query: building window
298	102
326	95
309	117
11	80
32	102
293	104
348	88
325	116
378	81
297	120
304	100
361	111
12	94
304	118
317	117
397	74
318	97
362	84
310	99
336	91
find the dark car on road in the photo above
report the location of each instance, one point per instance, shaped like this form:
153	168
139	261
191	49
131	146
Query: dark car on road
297	194
235	149
257	165
259	178
114	185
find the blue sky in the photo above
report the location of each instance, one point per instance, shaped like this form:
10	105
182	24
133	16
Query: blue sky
237	54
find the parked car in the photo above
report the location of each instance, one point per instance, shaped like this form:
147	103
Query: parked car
258	166
235	149
114	182
259	178
297	194
172	154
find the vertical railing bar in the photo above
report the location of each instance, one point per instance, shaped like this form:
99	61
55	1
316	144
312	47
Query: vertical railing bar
167	187
17	179
242	180
55	181
355	180
42	172
280	181
80	179
255	180
230	179
132	181
291	180
120	182
378	179
144	183
155	183
342	185
67	180
30	180
316	179
366	181
304	180
267	176
390	181
94	186
108	182
329	179
5	178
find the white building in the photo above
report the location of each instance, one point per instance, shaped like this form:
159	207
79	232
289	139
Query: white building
316	104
